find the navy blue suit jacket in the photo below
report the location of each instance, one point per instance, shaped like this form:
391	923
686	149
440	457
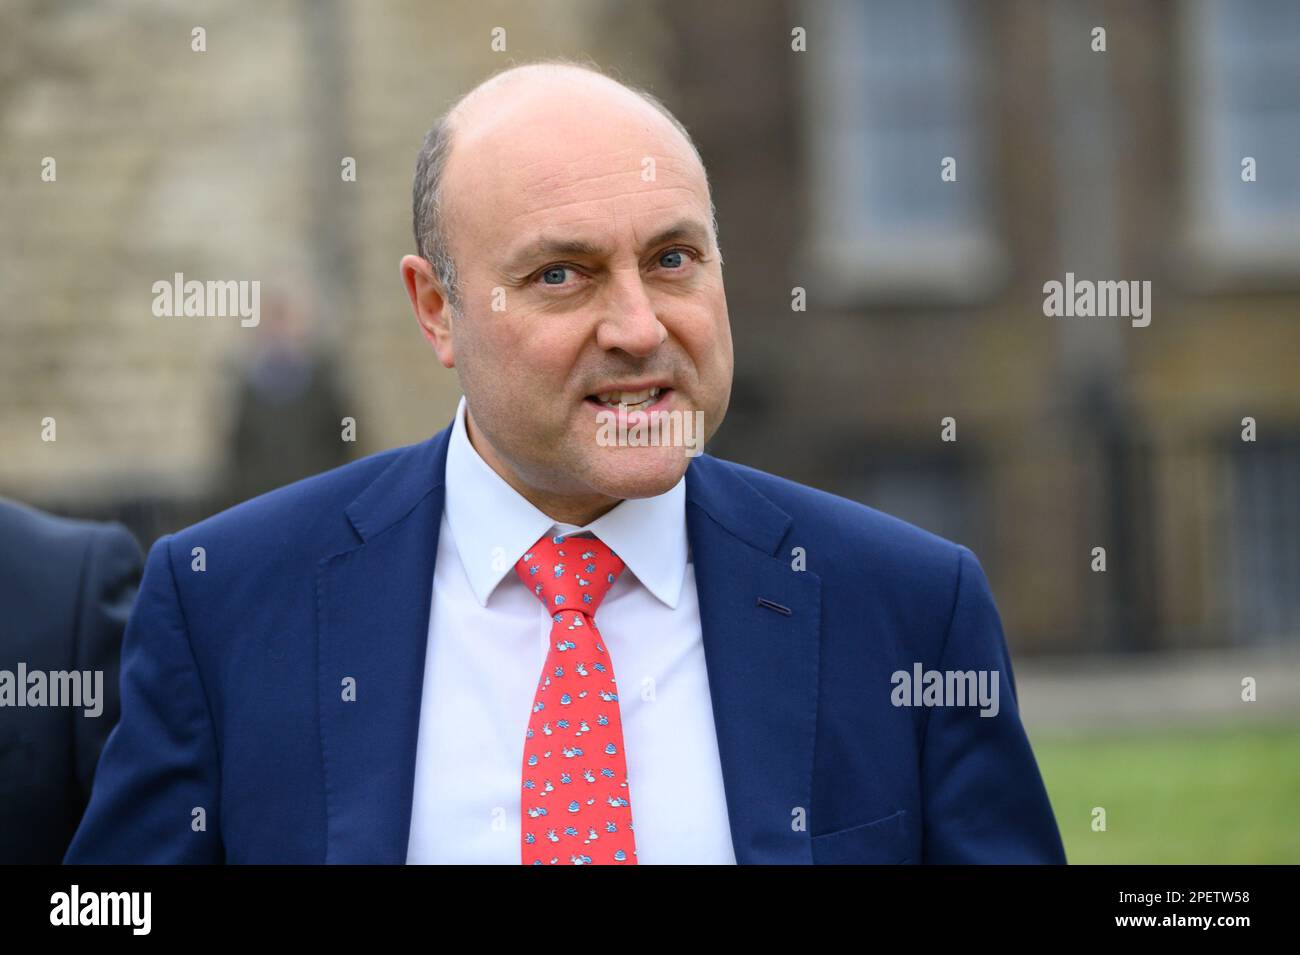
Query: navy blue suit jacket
232	699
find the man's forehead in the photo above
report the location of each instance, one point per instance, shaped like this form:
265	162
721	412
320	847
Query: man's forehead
597	202
564	152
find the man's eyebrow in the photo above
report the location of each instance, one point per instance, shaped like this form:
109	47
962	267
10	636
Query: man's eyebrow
682	229
545	246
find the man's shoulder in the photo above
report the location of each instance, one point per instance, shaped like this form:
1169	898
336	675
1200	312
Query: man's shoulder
33	539
851	530
37	528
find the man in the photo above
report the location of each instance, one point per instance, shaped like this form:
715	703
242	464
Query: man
522	642
66	588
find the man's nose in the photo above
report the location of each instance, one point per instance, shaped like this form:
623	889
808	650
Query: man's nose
630	322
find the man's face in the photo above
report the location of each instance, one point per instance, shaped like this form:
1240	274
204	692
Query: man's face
580	225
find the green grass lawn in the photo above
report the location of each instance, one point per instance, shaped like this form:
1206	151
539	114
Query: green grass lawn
1176	796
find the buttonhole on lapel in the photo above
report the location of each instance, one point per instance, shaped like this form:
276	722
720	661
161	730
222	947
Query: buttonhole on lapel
764	602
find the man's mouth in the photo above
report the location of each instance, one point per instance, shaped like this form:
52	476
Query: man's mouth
641	400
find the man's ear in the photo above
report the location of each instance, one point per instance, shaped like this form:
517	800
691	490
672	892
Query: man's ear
430	305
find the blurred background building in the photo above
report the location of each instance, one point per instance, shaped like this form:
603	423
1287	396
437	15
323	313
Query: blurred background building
924	296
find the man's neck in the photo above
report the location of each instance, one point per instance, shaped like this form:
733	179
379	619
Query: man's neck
563	509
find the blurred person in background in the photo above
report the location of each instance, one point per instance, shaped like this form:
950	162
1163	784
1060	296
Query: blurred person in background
288	404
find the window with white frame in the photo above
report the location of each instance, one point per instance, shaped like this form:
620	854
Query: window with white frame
895	88
1243	108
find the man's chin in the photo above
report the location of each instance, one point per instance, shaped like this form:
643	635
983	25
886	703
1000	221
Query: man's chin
625	472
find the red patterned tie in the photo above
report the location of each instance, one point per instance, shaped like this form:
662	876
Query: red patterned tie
575	799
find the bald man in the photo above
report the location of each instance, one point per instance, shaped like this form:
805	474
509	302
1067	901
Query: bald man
557	632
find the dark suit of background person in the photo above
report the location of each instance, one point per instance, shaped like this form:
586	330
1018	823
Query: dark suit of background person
66	591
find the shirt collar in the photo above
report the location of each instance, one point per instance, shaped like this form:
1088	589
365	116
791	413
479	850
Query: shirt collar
492	525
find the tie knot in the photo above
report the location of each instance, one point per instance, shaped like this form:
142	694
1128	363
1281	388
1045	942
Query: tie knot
569	573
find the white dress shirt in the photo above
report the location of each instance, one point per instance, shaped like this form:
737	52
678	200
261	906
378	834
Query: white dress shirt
488	638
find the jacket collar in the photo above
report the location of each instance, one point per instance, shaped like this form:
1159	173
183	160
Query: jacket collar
492	524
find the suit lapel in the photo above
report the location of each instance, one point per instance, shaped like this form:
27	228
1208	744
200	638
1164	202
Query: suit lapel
373	605
762	662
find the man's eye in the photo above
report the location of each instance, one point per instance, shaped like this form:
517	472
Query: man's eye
673	259
554	275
